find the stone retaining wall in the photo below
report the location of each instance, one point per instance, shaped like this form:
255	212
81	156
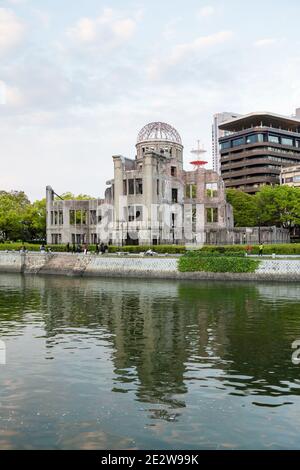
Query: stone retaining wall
134	266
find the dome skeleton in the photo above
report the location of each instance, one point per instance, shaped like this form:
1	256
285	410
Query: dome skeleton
159	131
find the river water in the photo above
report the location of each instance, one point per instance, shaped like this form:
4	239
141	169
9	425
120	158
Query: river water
135	364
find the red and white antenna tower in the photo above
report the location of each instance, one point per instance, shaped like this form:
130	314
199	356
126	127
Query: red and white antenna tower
198	152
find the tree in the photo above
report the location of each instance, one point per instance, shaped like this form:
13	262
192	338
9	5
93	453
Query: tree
279	205
70	196
36	217
244	208
13	220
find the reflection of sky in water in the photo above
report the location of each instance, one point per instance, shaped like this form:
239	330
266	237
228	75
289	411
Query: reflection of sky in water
134	364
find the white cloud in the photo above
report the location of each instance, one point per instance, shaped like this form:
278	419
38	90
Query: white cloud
12	29
181	52
206	11
170	29
265	42
16	2
109	29
10	96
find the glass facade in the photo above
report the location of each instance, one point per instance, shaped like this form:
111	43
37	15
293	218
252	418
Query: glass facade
273	138
287	141
254	138
238	142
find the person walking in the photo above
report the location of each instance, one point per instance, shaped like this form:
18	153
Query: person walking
97	248
102	248
68	247
261	249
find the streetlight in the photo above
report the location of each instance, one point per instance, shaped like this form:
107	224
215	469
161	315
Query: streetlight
259	234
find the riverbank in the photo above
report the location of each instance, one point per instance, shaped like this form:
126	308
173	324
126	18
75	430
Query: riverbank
136	267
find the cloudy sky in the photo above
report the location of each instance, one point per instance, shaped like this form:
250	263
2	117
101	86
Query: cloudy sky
78	79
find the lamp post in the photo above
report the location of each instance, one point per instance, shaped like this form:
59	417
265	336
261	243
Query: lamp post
259	234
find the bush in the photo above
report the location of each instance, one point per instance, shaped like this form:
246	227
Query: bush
170	249
208	254
217	264
280	249
18	246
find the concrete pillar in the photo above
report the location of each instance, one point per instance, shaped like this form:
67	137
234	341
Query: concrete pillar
118	187
49	208
148	188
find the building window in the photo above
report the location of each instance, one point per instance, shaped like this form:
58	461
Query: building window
254	138
211	189
77	217
139	213
139	186
133	213
287	141
60	217
273	138
212	215
72	217
191	191
94	238
194	215
130	186
225	145
157	187
125	187
174	195
238	142
55	238
93	217
173	171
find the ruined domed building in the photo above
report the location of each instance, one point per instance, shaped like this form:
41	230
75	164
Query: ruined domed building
151	200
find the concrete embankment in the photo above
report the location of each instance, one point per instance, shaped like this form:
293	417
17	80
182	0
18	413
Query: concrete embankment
135	266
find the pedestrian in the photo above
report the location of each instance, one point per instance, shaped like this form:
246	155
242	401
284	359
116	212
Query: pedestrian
78	248
85	248
102	248
68	247
97	249
261	248
73	248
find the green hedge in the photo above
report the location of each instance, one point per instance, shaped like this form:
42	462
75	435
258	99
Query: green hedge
217	264
280	249
228	250
18	246
216	254
171	249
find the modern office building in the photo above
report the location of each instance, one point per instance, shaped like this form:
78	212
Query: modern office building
256	148
290	176
217	133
